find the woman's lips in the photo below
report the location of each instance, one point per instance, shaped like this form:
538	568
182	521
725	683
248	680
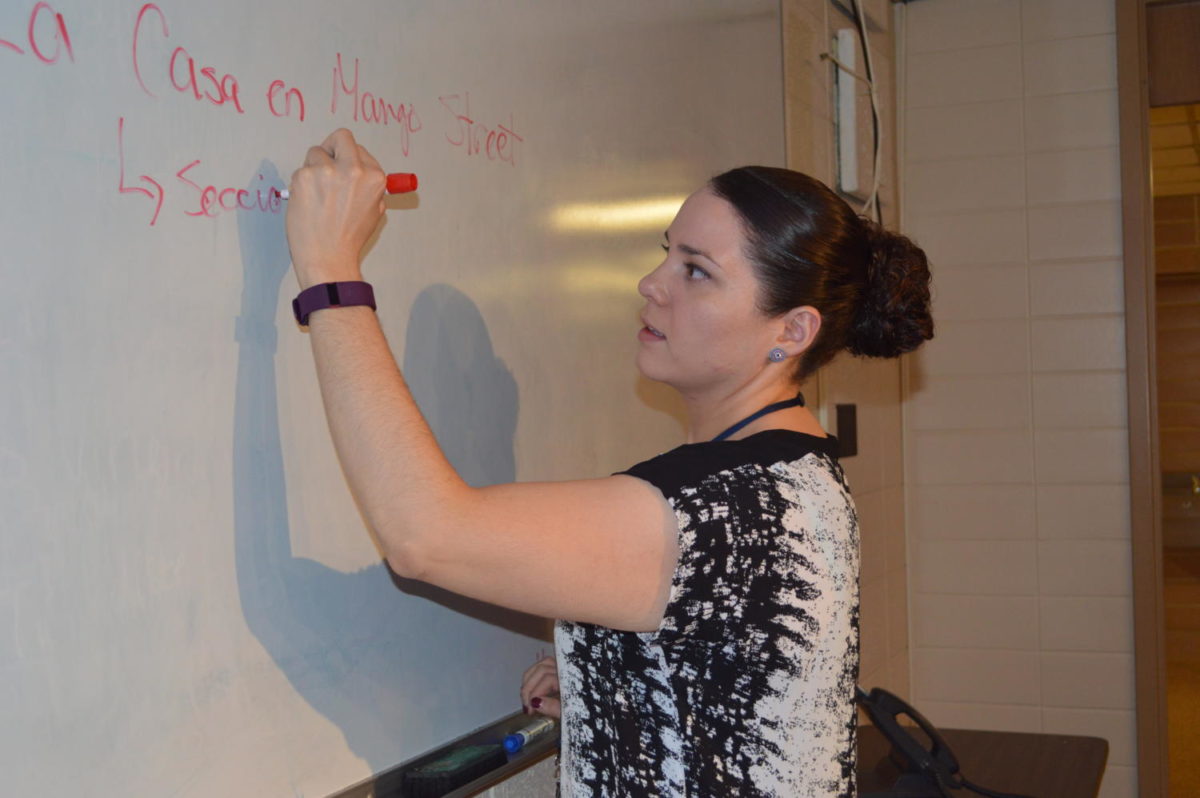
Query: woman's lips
648	333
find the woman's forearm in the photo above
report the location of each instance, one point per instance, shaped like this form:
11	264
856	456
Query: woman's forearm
404	486
402	482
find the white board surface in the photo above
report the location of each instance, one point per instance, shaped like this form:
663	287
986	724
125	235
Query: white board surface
190	605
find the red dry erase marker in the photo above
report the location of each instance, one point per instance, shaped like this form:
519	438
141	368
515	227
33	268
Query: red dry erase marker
397	183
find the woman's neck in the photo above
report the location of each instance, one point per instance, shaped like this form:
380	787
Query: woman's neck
711	413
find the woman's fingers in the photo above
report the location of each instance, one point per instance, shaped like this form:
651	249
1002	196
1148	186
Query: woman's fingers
537	667
318	156
539	681
541	686
368	159
550	707
335	207
541	663
538	684
340	143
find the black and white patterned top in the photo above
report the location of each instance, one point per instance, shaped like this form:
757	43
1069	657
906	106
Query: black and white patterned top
747	686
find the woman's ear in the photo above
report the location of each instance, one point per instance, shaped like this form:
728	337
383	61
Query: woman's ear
801	326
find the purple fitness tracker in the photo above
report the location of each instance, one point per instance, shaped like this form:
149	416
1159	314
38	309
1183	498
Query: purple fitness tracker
331	295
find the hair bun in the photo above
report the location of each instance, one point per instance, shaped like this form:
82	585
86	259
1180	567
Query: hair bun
893	316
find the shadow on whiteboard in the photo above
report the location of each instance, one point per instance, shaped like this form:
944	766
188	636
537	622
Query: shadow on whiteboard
367	650
469	398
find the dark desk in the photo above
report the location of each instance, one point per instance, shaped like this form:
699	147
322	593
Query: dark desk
1039	765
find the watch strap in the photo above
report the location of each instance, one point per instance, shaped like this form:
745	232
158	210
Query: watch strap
331	295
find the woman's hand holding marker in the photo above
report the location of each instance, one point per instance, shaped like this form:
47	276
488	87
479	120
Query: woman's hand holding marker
335	203
397	183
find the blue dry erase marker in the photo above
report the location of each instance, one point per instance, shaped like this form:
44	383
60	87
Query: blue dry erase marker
527	734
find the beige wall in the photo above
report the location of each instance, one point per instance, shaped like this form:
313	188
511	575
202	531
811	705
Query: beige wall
1015	416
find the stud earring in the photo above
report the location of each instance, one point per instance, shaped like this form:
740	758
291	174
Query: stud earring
777	355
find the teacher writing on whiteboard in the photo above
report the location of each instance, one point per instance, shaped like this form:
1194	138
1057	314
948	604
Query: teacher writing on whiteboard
708	597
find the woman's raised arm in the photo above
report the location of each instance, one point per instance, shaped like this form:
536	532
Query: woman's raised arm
600	551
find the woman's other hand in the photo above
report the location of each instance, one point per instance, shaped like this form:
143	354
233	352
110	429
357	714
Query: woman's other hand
539	689
335	204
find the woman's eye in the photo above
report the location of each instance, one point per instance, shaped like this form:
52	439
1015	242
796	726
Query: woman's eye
692	271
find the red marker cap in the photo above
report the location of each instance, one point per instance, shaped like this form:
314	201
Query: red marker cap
401	182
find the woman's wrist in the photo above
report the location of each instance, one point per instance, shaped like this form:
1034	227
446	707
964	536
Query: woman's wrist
328	272
339	294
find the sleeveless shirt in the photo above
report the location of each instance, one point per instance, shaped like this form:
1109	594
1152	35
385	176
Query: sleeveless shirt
747	686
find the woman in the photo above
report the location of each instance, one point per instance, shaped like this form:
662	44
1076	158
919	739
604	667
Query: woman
709	641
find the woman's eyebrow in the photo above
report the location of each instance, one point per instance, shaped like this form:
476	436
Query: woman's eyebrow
693	251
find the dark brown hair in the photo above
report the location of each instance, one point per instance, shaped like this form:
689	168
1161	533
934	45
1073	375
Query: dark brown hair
809	247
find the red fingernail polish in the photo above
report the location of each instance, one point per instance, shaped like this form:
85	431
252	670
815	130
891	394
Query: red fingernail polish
537	703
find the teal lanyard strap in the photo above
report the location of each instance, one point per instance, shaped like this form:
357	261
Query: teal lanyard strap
798	401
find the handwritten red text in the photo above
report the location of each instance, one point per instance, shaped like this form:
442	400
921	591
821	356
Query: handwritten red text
209	200
370	108
497	143
156	195
277	88
46	27
181	69
212	201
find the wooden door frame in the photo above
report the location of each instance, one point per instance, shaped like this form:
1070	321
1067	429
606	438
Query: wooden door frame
1145	493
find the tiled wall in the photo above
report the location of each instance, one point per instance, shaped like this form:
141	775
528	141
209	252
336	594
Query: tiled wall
1016	463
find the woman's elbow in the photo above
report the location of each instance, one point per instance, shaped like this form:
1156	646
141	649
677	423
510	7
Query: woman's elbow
404	555
414	543
402	550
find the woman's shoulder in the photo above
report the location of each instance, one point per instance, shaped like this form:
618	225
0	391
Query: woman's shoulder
691	464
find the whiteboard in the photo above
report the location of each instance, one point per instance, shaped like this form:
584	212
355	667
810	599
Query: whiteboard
191	606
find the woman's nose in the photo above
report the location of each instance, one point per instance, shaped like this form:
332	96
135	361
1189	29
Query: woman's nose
651	287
